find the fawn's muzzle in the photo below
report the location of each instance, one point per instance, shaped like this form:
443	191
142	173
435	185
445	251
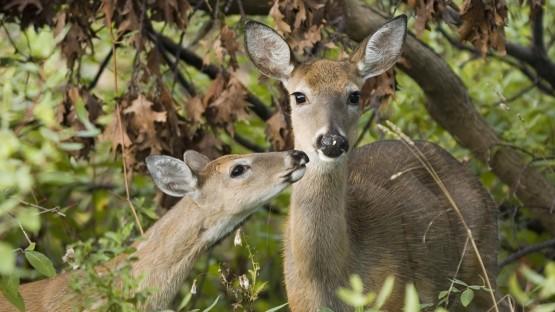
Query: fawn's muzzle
332	144
299	157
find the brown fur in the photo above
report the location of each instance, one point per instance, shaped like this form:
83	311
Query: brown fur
378	227
170	247
347	215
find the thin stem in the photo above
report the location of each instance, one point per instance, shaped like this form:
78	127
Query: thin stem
120	124
392	128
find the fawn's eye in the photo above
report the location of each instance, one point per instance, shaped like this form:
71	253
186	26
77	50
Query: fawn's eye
354	98
238	170
300	98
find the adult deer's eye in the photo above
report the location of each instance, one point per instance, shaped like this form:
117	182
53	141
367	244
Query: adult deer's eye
354	98
238	170
300	98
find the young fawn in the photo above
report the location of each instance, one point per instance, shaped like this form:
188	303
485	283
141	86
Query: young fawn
374	211
217	197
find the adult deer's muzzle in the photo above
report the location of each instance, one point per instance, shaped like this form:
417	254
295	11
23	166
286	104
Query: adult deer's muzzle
332	144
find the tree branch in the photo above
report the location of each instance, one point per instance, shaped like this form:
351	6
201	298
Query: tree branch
543	85
189	57
527	250
450	106
537	27
247	144
177	73
101	69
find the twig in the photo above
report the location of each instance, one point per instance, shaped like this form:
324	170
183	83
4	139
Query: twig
24	233
175	66
189	57
392	128
120	122
43	209
520	93
178	76
527	250
101	68
247	144
366	127
458	269
518	52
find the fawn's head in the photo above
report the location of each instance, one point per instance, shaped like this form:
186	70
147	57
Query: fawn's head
325	94
238	183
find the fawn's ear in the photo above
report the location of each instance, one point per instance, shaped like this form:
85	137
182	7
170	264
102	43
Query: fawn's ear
268	50
171	175
381	50
195	161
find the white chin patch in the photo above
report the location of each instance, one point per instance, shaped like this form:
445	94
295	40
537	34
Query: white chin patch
297	174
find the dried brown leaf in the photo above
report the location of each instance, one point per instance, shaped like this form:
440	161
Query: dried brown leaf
278	132
113	134
278	17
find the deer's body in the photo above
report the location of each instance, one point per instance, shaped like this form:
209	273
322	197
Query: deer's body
217	203
163	264
377	227
373	211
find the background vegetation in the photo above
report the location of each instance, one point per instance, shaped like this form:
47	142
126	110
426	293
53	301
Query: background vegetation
88	89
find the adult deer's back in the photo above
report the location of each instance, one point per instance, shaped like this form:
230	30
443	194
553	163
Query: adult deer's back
376	210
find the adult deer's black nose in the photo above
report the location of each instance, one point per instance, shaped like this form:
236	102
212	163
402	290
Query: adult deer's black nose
332	144
299	157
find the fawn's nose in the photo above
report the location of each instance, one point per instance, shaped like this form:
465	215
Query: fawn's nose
332	144
299	157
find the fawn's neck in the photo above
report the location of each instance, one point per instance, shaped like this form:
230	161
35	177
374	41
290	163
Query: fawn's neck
171	246
317	239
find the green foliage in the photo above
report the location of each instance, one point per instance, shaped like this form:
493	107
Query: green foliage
9	287
459	289
539	292
64	203
101	289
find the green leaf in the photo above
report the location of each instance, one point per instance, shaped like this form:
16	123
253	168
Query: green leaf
212	305
9	288
532	275
185	301
31	247
442	294
274	309
412	303
356	283
467	296
457	281
548	307
520	295
385	292
7	258
40	262
353	298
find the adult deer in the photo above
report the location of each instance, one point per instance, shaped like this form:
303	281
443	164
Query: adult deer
218	196
375	210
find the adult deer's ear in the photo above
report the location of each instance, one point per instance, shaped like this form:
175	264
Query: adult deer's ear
380	51
268	50
195	161
171	175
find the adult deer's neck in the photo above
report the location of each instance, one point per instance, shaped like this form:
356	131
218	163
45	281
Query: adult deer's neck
317	239
171	246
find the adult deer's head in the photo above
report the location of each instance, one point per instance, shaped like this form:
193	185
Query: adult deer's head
325	94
